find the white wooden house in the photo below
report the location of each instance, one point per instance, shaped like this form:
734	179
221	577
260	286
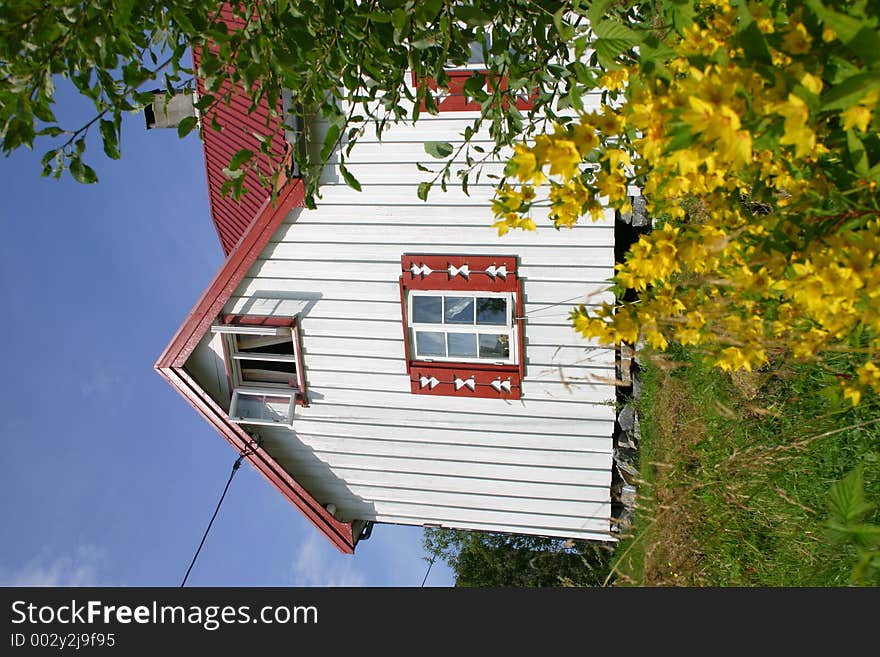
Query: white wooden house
387	360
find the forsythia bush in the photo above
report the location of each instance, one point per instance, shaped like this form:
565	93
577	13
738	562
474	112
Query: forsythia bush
752	130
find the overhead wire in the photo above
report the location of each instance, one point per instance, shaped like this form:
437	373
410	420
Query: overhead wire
235	467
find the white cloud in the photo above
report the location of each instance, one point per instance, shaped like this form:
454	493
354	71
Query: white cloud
80	569
317	563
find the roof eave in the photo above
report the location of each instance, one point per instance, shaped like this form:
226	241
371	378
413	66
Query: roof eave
170	364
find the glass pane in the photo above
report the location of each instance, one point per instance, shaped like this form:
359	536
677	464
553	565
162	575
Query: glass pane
462	345
264	344
495	346
428	310
459	310
266	371
429	343
476	54
266	408
492	310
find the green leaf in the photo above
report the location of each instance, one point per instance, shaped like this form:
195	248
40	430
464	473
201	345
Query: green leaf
564	29
108	135
752	39
438	149
847	498
423	190
241	157
855	33
597	10
82	173
186	126
472	16
857	154
350	180
850	91
330	140
613	39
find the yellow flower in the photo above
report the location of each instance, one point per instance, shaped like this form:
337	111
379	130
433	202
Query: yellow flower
563	157
869	375
614	80
857	116
797	41
853	394
812	83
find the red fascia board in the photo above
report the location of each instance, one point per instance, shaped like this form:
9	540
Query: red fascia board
170	364
339	533
256	237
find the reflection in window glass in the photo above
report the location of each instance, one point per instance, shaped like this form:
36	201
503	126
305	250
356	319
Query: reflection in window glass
264	344
462	345
459	310
430	343
266	371
495	346
428	310
266	408
492	310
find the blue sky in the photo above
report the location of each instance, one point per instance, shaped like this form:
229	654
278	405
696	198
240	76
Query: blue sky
109	476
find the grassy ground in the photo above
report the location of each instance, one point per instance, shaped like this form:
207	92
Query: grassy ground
735	477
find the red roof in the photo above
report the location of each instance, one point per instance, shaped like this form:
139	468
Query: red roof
232	217
244	227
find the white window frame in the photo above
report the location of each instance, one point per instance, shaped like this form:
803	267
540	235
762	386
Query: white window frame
240	387
510	328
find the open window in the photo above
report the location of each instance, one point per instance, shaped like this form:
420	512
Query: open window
264	365
462	325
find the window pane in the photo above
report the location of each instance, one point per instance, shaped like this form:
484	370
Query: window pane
459	310
495	346
264	344
492	310
266	371
476	54
254	406
462	345
429	343
427	310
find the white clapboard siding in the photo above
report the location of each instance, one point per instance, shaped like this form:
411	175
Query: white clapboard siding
307	462
370	485
538	333
535	313
539	292
543	355
542	389
383	401
385	271
320	366
390	173
539	465
374	152
326	447
302	234
578	256
582	441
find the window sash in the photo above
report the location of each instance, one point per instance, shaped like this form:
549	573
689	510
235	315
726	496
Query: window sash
264	419
508	328
235	357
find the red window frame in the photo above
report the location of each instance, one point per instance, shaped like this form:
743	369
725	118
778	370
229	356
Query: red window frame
456	101
302	398
454	273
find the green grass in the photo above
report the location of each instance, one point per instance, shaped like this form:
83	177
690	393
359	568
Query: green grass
736	473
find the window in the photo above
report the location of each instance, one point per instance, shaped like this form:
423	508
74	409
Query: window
454	98
264	365
463	325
